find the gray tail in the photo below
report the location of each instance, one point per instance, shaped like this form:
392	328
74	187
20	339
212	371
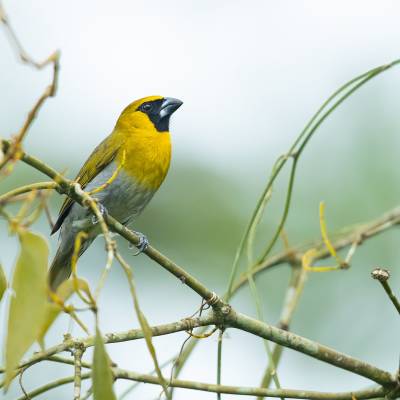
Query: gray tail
60	269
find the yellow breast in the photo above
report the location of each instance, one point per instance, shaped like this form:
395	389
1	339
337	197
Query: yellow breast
147	157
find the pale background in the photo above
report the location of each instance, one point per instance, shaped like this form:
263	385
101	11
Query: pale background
250	74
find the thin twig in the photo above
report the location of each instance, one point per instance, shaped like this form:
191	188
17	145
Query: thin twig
14	151
27	397
135	385
78	352
26	189
118	337
358	234
383	275
70	361
291	300
52	385
88	393
219	361
47	211
249	391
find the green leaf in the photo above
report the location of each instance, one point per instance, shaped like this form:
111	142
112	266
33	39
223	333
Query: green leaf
28	304
3	282
102	378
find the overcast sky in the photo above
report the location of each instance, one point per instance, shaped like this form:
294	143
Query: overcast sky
249	73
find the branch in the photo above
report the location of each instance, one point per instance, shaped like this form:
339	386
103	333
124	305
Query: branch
78	352
250	391
53	385
309	347
358	235
71	189
224	315
69	361
17	46
167	264
239	321
126	336
26	189
238	390
383	275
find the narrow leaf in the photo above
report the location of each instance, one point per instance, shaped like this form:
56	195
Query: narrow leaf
29	301
102	378
3	282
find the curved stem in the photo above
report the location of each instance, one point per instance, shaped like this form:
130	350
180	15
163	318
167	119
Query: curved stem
301	141
26	189
53	385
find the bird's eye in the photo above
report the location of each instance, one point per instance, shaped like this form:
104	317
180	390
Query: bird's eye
146	107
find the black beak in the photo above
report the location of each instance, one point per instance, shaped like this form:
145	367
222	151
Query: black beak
169	106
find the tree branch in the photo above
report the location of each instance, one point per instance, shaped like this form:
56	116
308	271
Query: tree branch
26	189
238	390
70	188
245	323
133	334
224	314
309	347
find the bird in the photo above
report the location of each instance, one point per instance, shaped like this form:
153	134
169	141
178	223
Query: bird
122	174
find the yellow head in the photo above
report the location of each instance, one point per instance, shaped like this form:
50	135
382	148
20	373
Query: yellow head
149	113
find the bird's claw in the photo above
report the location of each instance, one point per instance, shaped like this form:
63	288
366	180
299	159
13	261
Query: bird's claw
142	244
103	211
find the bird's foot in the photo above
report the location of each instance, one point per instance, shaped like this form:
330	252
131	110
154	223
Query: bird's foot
103	212
142	244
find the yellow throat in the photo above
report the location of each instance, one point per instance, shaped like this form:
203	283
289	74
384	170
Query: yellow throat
147	156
